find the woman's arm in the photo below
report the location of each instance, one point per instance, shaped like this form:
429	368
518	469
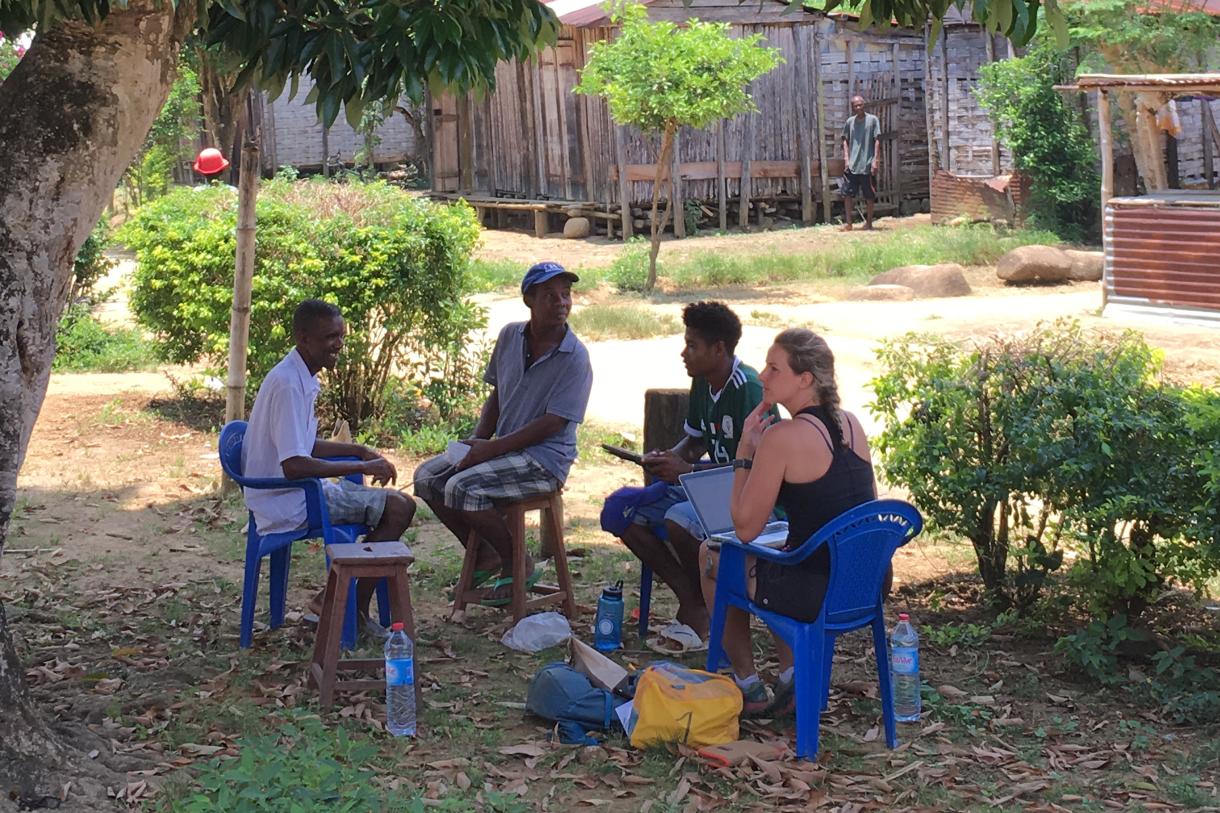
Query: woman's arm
756	488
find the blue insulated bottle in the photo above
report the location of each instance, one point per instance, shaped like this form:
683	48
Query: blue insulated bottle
608	628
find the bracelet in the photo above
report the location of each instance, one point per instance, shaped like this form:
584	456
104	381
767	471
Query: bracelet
743	463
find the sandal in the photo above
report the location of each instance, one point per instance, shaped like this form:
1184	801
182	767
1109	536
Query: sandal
676	639
507	581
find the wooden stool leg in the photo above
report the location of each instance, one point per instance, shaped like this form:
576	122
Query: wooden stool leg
333	607
317	665
466	580
549	537
552	516
516	527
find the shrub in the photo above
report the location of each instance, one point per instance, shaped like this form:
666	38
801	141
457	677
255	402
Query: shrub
91	264
84	344
397	266
1032	444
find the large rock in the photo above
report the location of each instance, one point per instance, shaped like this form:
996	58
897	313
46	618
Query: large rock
1035	264
946	279
576	227
1086	265
881	293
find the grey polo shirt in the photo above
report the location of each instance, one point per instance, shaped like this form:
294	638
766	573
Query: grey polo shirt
556	384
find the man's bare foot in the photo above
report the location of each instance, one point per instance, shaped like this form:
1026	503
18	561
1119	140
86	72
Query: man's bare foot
846	227
696	618
501	590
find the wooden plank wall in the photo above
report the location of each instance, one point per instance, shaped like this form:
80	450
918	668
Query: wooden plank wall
534	138
971	134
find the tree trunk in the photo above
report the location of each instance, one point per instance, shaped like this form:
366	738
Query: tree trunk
667	142
224	108
73	115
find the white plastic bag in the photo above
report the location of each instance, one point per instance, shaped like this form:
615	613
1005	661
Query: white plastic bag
535	633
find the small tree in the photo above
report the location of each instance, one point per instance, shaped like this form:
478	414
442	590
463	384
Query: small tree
661	76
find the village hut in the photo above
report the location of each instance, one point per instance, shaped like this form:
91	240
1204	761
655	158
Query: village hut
533	147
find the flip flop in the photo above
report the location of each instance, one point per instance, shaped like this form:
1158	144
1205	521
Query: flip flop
676	639
481	577
507	581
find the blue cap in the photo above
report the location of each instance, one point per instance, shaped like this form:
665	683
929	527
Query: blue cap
541	272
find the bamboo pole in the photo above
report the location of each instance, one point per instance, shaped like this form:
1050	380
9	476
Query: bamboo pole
675	187
1107	175
896	128
1209	168
933	151
722	186
747	152
946	156
624	186
243	282
819	140
989	44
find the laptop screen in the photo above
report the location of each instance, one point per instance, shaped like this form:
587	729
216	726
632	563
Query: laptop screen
710	492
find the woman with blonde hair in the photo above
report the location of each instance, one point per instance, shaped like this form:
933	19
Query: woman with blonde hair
815	465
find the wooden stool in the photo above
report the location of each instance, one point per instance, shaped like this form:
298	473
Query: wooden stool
368	560
551	520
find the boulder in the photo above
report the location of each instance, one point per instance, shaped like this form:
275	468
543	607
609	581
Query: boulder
1086	265
1035	264
881	293
946	279
576	228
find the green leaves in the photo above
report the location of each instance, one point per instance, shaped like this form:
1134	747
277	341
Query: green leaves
659	76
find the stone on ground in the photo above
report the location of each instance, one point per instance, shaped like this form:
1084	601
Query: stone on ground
1086	265
1035	264
576	227
881	293
945	279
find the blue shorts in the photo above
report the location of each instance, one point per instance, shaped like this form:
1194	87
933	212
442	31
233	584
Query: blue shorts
672	507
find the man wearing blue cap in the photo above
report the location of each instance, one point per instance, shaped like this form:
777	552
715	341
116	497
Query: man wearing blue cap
525	440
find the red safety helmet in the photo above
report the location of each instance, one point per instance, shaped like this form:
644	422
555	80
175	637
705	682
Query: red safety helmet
210	162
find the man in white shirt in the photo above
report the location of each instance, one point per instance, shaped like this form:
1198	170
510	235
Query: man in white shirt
282	441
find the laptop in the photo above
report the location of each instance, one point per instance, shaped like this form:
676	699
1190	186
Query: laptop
710	492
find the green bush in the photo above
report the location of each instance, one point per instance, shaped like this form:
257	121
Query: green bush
1047	138
84	344
396	265
1058	439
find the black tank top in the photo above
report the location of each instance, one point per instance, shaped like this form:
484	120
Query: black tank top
847	483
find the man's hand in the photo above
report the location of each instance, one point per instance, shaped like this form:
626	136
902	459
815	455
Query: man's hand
480	452
381	470
875	167
665	465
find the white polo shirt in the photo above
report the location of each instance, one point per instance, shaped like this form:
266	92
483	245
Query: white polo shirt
282	425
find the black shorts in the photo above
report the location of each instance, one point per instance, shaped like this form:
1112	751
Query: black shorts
798	591
859	185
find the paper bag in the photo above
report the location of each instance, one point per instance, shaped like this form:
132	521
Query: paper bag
597	667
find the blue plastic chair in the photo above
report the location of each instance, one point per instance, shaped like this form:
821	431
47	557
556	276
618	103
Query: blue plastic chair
861	542
278	546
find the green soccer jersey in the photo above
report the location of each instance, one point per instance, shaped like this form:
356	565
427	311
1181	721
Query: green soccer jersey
717	416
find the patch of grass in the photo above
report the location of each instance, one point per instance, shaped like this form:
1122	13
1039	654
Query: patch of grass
493	275
599	322
84	345
114	413
977	244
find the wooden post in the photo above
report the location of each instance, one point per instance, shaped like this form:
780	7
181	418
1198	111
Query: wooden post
933	150
675	186
747	151
325	152
1209	167
819	96
896	141
565	162
850	56
465	145
624	185
722	184
989	43
1172	176
946	157
539	128
243	282
664	417
802	122
1107	172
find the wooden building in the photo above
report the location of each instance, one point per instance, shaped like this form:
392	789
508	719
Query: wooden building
1162	249
535	147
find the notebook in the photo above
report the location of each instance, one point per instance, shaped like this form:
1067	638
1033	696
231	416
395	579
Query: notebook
710	492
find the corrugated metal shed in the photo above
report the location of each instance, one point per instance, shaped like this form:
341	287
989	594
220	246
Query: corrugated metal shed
1163	253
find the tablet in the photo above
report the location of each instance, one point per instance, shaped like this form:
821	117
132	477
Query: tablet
624	454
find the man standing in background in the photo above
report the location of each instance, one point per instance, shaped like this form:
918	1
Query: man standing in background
860	154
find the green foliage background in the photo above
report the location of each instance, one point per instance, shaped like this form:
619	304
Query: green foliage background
396	265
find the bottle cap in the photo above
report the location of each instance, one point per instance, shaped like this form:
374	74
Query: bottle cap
613	590
903	617
397	626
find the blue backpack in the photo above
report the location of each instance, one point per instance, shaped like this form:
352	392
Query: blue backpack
562	695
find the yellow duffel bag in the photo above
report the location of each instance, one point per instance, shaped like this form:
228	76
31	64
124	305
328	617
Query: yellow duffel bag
676	704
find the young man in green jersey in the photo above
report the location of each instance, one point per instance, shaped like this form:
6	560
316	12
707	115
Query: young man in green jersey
723	392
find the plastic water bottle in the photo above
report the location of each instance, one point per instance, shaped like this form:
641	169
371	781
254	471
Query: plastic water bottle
608	628
400	682
904	670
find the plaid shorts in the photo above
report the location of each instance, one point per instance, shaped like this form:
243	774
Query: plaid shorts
508	478
350	504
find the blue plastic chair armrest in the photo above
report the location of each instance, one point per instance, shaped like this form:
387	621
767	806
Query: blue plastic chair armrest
783	557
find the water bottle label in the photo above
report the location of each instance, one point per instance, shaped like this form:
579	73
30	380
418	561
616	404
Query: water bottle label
399	672
905	660
605	627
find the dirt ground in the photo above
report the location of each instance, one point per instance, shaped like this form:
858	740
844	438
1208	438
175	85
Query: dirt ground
123	571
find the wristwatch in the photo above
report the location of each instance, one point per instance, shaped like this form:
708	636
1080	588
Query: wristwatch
743	463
